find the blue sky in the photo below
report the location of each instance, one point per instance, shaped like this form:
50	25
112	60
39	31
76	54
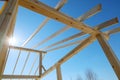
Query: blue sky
92	57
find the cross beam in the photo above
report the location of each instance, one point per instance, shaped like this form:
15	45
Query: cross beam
26	49
45	10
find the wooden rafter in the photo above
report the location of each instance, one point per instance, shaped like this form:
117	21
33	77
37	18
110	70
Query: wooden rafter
41	8
88	14
57	7
98	27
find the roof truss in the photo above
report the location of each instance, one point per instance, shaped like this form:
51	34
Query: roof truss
7	22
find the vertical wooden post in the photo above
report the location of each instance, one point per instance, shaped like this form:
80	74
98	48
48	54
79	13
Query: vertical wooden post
58	70
40	65
5	25
110	55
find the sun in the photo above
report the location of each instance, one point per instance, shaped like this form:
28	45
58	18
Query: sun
12	41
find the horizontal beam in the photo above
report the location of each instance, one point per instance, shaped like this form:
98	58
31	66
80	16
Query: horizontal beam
45	10
19	77
26	49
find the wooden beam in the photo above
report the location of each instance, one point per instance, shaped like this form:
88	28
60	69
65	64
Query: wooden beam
26	49
79	41
43	68
57	7
81	46
40	65
64	40
58	71
113	31
52	36
65	45
60	4
114	61
19	77
5	23
98	27
43	9
90	13
110	22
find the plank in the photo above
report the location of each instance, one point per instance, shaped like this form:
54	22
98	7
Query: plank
113	31
65	45
90	13
58	71
26	49
19	77
114	61
110	22
52	36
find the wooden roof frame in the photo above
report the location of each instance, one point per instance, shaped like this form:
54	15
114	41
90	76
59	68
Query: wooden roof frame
7	22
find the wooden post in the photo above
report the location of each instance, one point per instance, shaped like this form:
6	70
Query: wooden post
110	55
6	18
40	65
58	70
